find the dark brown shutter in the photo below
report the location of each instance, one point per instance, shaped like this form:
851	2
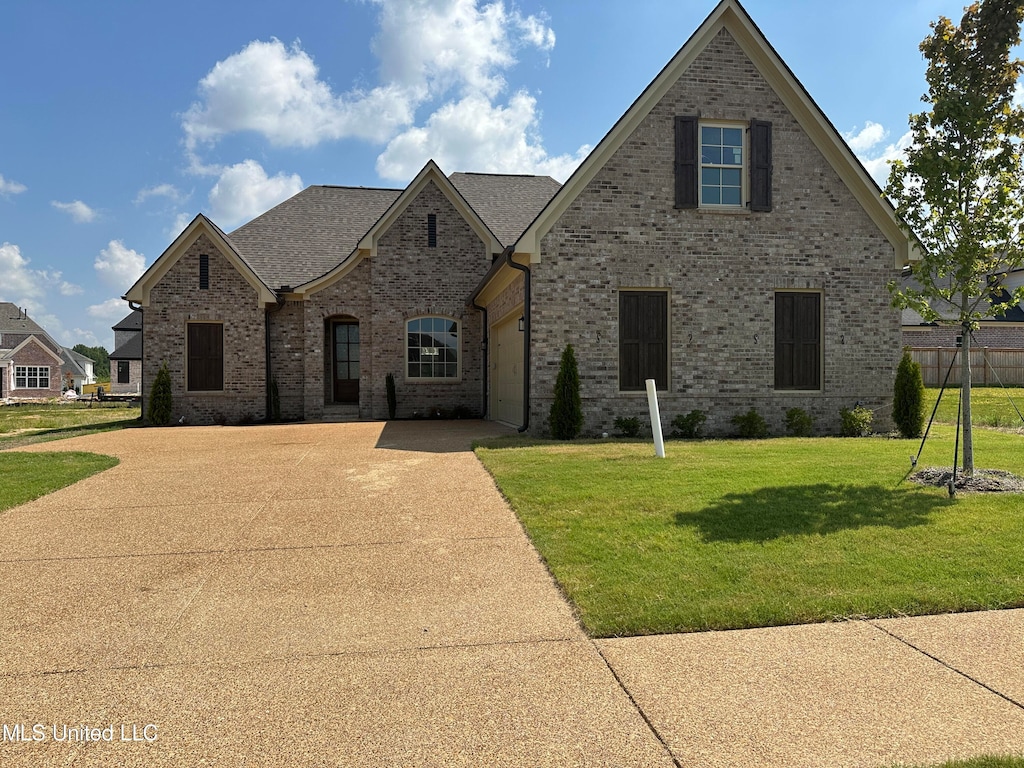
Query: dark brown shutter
686	162
797	341
643	339
205	357
760	165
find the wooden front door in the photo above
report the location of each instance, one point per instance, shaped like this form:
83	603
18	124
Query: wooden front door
346	361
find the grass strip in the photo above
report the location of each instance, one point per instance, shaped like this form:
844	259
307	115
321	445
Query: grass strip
27	476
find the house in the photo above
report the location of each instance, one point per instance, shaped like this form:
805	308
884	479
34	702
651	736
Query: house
126	359
77	370
30	361
721	239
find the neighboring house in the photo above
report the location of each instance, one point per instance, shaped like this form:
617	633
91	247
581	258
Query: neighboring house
30	361
76	370
721	239
126	359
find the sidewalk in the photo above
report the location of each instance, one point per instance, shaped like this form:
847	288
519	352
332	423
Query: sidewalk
360	594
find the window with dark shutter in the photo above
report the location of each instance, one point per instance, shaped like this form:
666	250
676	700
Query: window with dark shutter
431	230
205	357
760	165
686	162
124	372
204	271
643	339
797	340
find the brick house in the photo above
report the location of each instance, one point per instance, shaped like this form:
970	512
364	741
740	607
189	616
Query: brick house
721	239
126	359
31	362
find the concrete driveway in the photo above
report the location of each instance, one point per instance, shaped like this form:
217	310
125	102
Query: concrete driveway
360	594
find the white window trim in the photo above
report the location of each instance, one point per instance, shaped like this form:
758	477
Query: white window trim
458	353
26	376
744	168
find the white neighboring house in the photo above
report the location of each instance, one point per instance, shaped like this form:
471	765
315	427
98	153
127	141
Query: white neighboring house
76	370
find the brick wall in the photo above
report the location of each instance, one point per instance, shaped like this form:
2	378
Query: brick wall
287	357
721	271
134	377
32	355
988	335
177	299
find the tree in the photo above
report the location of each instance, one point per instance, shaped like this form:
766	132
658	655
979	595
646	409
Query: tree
160	398
99	356
960	190
567	410
908	398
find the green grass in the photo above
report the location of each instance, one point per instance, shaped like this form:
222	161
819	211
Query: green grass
731	534
980	762
35	423
27	476
990	406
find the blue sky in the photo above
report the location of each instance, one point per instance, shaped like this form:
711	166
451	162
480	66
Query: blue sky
121	120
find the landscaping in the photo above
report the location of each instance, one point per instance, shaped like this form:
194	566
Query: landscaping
30	423
732	534
27	476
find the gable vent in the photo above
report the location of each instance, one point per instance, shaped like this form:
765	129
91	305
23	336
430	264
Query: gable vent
204	271
431	230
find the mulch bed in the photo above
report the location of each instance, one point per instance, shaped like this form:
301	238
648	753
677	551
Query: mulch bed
984	480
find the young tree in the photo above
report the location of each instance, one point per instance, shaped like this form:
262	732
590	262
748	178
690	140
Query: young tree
566	418
960	190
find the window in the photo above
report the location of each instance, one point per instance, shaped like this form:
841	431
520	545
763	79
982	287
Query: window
31	377
124	371
797	340
204	271
643	339
723	165
431	230
433	348
205	356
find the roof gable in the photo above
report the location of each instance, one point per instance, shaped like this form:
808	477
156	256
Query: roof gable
38	342
367	245
200	225
507	203
730	16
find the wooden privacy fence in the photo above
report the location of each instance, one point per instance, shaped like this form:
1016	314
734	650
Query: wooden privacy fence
990	366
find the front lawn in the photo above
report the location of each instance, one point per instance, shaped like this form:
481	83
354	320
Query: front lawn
30	423
27	476
990	406
731	534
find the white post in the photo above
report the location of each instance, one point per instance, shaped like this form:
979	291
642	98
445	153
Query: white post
652	401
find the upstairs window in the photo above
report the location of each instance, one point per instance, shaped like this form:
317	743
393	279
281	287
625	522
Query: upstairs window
721	165
432	348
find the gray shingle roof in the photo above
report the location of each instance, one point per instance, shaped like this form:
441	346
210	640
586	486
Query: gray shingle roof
507	204
311	233
132	322
130	350
13	320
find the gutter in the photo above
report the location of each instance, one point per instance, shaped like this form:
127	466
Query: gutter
142	352
526	337
486	344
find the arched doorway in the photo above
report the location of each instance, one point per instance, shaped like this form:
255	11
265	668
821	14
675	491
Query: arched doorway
345	356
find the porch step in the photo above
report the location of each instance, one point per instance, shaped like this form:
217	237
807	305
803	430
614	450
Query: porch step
344	412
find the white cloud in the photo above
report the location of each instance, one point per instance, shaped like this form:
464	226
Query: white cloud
452	53
8	187
244	190
276	91
79	211
475	135
111	309
168	191
69	289
118	265
181	220
869	144
20	282
84	336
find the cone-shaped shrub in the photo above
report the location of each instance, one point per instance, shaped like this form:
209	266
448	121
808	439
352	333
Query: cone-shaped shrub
566	418
160	402
908	398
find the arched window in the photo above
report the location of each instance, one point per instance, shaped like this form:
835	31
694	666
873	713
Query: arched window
432	348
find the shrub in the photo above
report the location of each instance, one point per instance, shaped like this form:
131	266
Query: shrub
628	426
856	423
750	424
908	398
566	417
799	423
389	383
689	426
463	412
160	399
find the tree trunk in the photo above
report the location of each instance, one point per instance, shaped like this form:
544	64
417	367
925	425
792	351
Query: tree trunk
965	395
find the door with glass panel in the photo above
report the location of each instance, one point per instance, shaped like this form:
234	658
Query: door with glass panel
346	361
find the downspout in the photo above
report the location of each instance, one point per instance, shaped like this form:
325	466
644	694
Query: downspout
486	344
142	367
269	372
526	340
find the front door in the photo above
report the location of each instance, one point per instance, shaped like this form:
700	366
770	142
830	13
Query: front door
346	361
